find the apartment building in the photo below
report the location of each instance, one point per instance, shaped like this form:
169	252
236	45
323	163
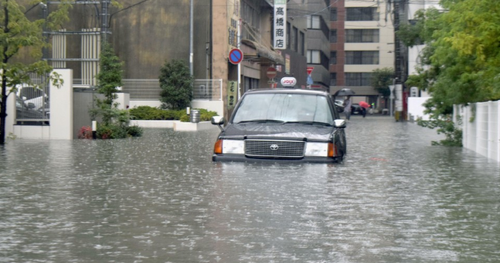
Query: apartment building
318	45
361	40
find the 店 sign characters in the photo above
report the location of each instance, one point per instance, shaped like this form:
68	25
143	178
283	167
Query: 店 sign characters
279	24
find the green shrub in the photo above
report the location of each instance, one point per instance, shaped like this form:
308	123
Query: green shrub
453	134
110	131
206	115
134	131
184	118
176	83
113	131
152	113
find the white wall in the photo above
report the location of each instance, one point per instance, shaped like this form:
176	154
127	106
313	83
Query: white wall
123	100
61	107
416	108
61	113
480	123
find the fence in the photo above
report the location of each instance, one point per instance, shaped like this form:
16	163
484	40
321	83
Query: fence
149	89
207	89
480	126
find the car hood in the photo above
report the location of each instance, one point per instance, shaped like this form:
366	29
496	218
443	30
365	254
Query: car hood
278	130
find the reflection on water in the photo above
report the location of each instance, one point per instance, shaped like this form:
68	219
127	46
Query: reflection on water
160	198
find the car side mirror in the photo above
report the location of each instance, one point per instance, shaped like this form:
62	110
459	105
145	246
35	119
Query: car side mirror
31	105
218	120
339	123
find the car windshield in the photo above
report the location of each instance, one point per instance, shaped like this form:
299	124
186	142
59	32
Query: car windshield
284	108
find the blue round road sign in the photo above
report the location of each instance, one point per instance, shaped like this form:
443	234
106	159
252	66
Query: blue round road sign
235	56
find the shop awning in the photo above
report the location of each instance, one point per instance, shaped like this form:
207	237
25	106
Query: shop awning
259	53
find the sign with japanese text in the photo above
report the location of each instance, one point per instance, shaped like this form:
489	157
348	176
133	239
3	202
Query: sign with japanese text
232	91
233	11
279	24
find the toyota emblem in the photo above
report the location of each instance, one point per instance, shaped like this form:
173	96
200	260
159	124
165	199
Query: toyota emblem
274	147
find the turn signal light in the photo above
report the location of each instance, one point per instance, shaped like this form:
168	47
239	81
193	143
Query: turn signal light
332	150
218	147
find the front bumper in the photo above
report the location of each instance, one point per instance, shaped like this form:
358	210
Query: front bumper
243	158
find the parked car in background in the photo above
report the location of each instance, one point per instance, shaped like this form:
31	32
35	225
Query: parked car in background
356	109
282	125
27	114
37	98
340	105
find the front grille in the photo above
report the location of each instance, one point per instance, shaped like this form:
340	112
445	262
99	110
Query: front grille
274	148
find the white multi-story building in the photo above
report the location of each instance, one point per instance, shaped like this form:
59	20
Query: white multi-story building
417	96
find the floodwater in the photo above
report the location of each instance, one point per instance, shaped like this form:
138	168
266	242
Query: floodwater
159	198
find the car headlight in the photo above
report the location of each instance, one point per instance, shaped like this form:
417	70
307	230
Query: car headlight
317	149
232	146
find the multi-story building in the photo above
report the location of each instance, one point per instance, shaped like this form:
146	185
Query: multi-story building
318	47
361	40
146	34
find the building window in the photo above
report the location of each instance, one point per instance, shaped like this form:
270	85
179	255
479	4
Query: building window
333	58
362	35
250	83
250	14
361	14
362	57
333	14
313	22
313	57
358	79
333	36
333	79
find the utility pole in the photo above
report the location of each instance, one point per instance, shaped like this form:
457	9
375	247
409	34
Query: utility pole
397	43
104	20
191	38
400	51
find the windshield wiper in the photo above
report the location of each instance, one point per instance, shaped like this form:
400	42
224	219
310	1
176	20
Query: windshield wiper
261	121
309	122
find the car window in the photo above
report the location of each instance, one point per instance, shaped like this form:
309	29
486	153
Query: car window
284	107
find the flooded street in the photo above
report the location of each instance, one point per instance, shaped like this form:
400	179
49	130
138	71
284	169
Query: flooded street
160	198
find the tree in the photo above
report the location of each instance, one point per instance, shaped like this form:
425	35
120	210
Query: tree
176	85
115	122
461	60
109	79
381	79
20	35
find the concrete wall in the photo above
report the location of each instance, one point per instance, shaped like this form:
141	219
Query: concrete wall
61	113
480	123
416	108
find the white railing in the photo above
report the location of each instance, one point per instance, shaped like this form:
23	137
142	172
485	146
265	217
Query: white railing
480	126
207	89
149	89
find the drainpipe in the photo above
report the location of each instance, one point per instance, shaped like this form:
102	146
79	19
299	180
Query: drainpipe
191	39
